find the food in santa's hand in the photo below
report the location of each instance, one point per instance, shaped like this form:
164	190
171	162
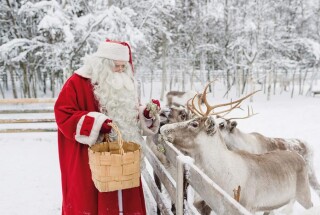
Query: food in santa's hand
153	108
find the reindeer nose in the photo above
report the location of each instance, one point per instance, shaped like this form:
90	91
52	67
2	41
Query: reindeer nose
166	130
166	133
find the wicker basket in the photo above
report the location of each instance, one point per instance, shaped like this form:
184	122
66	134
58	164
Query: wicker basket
115	165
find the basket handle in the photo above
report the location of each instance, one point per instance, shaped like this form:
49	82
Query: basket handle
119	139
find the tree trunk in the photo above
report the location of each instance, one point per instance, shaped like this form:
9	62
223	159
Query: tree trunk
1	90
151	85
293	77
269	85
300	82
313	78
275	79
52	84
34	85
265	84
304	81
164	65
26	87
13	83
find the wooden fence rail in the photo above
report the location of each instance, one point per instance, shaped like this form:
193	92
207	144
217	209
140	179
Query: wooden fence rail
16	112
27	101
3	121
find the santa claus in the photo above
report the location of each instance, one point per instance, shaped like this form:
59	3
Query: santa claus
102	91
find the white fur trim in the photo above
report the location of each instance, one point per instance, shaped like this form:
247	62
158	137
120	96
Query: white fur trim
99	119
84	72
155	123
113	51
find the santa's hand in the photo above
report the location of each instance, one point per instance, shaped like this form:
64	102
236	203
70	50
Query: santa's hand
152	109
105	127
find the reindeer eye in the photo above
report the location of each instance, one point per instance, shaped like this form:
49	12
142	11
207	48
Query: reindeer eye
183	116
221	125
194	124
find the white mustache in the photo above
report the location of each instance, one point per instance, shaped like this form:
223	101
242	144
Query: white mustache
120	80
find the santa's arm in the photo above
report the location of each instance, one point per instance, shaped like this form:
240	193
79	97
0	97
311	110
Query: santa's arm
83	126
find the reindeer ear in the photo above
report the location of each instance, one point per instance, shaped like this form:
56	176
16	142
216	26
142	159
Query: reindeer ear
210	126
234	124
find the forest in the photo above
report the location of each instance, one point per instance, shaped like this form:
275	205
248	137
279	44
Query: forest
246	44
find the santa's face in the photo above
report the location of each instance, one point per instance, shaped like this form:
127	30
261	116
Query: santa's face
120	76
119	66
111	77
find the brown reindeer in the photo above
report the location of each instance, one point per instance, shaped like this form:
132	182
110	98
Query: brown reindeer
268	181
174	114
178	98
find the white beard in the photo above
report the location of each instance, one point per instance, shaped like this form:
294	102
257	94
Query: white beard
117	96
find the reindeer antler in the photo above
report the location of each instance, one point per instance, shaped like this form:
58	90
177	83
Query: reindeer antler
192	107
198	112
250	113
210	108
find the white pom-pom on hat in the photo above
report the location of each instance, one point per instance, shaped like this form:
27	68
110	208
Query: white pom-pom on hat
113	50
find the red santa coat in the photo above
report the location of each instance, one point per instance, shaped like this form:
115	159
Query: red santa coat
77	116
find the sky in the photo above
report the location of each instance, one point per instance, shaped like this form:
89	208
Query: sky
29	165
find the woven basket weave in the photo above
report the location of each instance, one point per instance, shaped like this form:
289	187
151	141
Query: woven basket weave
115	165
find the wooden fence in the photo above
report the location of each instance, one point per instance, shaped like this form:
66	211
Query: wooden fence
14	115
186	171
220	202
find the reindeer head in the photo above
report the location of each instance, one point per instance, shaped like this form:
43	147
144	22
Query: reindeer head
185	134
174	114
226	125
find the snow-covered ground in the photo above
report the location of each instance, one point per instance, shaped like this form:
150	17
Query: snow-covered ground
29	166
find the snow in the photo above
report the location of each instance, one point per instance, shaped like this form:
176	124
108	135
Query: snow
30	179
30	174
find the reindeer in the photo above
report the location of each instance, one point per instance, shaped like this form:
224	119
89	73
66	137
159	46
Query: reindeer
174	114
268	181
257	143
178	98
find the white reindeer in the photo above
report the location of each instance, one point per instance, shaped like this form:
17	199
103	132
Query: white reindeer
268	181
257	143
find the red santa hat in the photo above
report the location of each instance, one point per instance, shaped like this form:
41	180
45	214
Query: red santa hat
115	50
